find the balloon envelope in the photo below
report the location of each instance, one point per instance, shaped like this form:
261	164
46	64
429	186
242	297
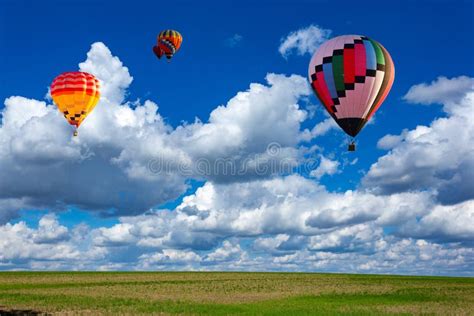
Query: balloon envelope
168	43
76	94
351	75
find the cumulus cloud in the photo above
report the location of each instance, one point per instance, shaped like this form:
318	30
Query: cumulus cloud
288	223
442	90
319	129
135	160
326	166
50	246
303	41
289	205
110	70
253	120
438	157
254	220
453	223
169	257
50	231
228	252
43	165
390	141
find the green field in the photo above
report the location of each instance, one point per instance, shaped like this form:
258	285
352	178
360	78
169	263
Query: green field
228	293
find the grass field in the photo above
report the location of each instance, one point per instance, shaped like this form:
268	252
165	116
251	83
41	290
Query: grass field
233	293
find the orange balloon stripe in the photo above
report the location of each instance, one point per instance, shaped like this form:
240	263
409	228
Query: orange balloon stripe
173	36
74	82
386	84
91	92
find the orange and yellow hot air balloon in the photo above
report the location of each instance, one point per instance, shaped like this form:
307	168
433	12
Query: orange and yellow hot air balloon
168	43
76	94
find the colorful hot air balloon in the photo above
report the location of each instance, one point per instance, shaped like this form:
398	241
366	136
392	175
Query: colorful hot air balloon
75	94
168	43
351	75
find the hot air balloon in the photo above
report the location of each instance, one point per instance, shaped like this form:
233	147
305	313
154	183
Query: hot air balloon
168	43
76	95
351	75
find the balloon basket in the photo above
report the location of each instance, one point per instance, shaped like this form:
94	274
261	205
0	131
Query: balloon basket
351	147
74	134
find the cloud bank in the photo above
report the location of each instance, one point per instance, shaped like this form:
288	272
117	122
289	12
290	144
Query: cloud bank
412	213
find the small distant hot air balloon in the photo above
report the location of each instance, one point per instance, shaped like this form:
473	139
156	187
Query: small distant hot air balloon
76	94
168	43
351	75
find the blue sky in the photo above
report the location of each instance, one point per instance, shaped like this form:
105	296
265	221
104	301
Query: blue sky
381	201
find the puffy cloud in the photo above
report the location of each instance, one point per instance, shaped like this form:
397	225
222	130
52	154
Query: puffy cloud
448	223
442	90
263	124
319	129
40	163
439	157
303	41
390	141
270	244
50	231
169	257
288	223
252	220
50	246
127	159
114	77
116	235
326	166
228	252
354	248
358	238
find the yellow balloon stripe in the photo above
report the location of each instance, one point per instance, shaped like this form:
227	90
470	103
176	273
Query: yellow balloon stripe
75	106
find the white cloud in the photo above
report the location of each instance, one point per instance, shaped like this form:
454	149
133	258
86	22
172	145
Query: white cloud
250	221
320	129
288	223
228	252
326	166
293	205
168	257
439	157
390	141
358	238
452	222
51	244
116	235
270	244
114	77
442	90
118	143
303	41
50	231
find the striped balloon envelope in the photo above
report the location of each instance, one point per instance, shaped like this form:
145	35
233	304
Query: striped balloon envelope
76	94
168	43
351	75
